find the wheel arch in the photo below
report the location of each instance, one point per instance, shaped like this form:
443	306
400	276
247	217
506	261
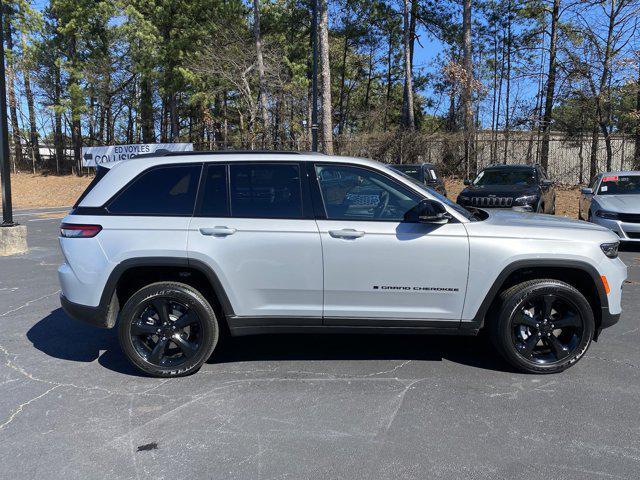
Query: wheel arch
581	275
132	274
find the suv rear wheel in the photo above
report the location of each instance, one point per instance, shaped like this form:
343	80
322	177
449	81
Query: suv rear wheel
168	329
542	326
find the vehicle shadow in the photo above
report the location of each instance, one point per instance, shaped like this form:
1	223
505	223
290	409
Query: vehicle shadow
61	337
472	351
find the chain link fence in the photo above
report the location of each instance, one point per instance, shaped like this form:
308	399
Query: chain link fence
569	158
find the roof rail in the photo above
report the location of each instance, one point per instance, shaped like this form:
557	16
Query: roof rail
166	153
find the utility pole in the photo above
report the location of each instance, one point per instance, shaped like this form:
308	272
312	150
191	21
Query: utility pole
5	179
314	76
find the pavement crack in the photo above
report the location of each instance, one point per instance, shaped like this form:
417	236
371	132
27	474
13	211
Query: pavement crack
400	401
394	369
16	411
617	362
13	310
20	370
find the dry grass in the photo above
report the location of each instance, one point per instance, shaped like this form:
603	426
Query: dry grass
31	191
57	191
566	197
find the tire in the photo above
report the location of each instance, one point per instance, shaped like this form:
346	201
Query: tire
168	329
542	326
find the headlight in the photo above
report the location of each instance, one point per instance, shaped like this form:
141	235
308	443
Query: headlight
606	214
610	249
526	200
463	198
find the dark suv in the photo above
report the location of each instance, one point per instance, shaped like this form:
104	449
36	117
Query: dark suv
506	186
425	173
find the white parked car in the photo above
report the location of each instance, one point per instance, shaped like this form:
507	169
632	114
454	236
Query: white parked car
178	248
613	201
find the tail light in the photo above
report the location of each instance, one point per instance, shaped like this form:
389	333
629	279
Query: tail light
72	230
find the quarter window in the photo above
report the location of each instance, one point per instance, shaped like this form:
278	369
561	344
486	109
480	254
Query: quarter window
351	193
165	191
265	191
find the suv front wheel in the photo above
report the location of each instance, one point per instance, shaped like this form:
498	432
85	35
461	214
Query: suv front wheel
542	326
168	329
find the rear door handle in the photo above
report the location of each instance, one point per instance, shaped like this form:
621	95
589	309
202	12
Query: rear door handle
346	233
218	231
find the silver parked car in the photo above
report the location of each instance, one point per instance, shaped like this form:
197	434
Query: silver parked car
613	201
180	247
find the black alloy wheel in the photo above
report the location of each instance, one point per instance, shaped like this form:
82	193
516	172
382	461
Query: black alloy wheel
547	328
168	329
542	325
166	333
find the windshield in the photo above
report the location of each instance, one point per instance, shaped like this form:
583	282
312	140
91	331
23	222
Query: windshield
619	185
461	210
413	171
500	176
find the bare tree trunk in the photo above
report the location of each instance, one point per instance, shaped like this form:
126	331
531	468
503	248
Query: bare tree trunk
507	125
164	120
408	119
33	129
492	145
467	90
551	85
343	73
602	119
262	100
494	159
76	106
595	137
636	156
58	139
369	80
388	92
174	121
13	112
325	80
146	110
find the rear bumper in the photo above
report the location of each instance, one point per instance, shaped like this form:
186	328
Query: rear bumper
95	316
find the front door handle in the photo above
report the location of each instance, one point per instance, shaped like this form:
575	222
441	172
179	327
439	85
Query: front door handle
346	233
218	231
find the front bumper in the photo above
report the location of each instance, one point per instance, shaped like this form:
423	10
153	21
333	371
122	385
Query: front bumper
628	232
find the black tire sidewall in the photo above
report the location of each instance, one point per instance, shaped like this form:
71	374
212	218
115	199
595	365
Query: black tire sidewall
511	305
181	293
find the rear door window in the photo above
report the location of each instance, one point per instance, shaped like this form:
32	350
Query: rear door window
215	198
265	190
161	191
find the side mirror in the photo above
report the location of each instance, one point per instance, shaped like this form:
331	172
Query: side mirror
467	181
428	211
547	183
586	191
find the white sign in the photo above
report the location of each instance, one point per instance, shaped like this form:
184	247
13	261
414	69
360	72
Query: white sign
92	156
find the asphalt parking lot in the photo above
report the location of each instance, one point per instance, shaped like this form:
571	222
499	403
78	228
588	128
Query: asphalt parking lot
298	407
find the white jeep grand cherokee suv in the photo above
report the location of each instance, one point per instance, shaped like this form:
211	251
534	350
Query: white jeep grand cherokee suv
178	249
